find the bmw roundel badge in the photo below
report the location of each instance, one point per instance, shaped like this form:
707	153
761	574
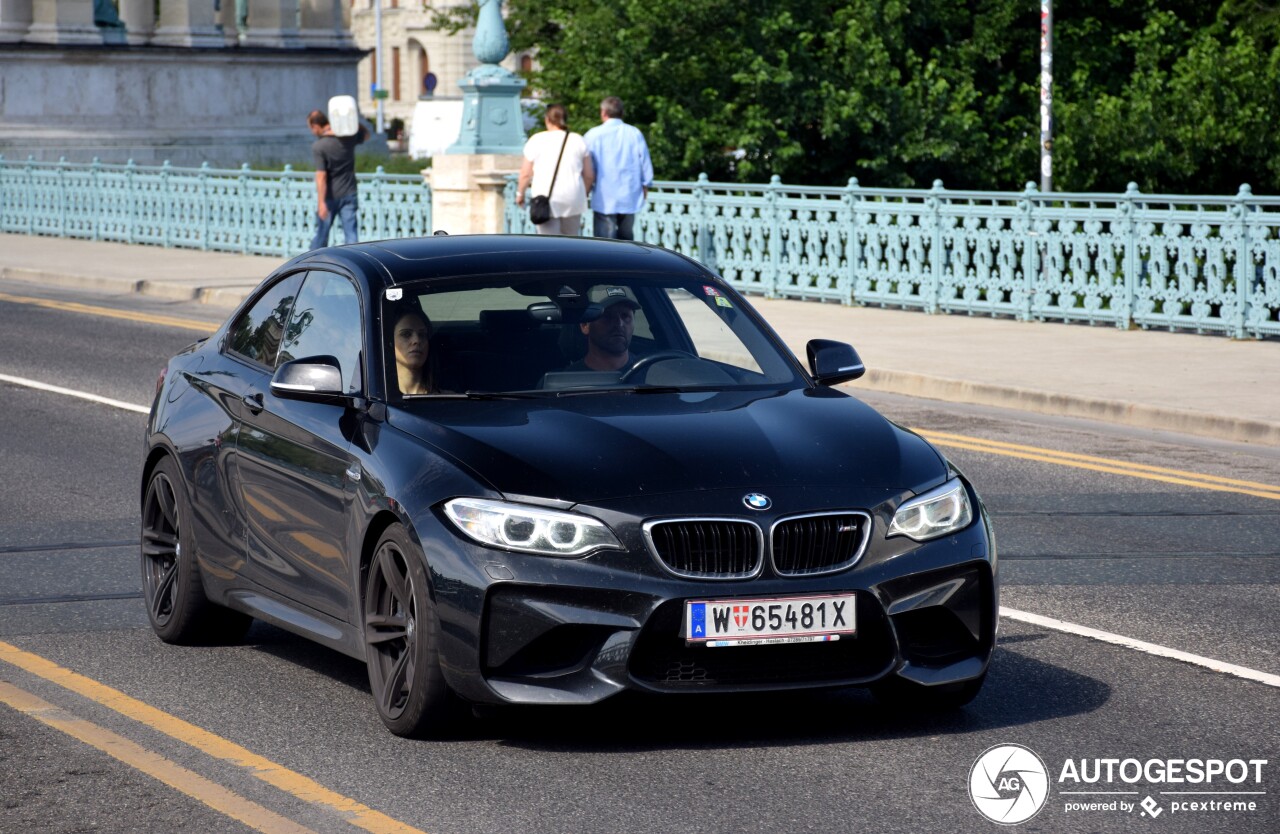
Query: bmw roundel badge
757	501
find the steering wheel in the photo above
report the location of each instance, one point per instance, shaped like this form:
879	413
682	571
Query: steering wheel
653	358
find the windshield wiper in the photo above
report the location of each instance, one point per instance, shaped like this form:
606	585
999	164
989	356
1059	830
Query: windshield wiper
636	389
574	392
503	395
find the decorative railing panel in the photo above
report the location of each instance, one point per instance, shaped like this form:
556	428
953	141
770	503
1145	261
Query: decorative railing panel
245	211
1208	264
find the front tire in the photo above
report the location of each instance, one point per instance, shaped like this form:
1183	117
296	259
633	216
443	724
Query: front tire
402	643
176	603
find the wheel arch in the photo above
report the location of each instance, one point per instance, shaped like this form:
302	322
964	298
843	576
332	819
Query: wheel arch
377	526
157	454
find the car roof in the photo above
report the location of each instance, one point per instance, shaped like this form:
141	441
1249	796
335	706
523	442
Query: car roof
454	256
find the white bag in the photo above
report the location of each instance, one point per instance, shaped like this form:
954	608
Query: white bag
343	116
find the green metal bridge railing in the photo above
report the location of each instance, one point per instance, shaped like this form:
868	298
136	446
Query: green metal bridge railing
1208	264
1202	263
245	211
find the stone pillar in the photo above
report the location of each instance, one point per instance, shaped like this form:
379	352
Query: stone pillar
467	191
342	25
188	23
322	24
227	22
274	24
139	18
15	20
63	22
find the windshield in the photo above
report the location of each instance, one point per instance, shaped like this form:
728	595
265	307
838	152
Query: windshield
564	335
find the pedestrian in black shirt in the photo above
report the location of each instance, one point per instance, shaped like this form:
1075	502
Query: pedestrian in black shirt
335	158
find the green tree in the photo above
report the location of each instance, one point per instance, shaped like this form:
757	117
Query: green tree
894	92
1173	94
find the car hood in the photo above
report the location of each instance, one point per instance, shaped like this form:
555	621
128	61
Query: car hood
604	446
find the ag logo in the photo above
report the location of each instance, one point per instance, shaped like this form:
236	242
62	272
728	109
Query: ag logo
1008	784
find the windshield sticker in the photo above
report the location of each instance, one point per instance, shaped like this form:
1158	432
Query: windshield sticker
395	294
711	291
723	302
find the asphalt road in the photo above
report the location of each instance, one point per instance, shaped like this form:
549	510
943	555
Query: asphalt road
275	732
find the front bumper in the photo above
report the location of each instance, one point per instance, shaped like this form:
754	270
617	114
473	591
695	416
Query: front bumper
538	630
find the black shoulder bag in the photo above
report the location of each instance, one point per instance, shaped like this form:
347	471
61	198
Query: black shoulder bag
540	206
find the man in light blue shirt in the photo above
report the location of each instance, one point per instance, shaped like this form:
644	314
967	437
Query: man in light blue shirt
624	172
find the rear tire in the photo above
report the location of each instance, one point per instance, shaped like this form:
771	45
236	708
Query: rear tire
176	603
402	641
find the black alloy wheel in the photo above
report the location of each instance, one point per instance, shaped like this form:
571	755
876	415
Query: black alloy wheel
176	604
402	641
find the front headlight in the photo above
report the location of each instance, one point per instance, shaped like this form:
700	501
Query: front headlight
935	513
528	529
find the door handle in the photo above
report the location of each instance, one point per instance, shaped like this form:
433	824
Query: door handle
253	402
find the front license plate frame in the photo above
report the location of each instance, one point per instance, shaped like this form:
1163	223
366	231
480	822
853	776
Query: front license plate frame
813	618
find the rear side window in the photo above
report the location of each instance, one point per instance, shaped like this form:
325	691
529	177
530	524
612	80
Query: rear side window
257	333
326	322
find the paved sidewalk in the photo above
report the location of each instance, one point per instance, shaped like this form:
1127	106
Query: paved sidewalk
1204	385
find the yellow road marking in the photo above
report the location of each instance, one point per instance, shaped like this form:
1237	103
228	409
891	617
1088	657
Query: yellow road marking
154	765
73	307
260	767
1100	464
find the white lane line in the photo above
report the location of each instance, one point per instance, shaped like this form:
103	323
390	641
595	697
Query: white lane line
1011	613
41	386
1141	646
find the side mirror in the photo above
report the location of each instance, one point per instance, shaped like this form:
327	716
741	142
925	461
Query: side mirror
833	362
309	378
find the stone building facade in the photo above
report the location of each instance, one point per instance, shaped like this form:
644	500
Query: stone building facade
189	81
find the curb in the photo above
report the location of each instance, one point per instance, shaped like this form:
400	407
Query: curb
75	282
1066	405
225	296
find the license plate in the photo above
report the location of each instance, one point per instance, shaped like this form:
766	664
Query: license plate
757	622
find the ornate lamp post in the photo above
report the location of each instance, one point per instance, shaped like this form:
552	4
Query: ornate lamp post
469	180
491	118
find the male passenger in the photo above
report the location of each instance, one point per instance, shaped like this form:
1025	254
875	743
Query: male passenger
624	172
609	337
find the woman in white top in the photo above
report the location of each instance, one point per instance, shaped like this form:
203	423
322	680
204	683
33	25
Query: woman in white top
573	182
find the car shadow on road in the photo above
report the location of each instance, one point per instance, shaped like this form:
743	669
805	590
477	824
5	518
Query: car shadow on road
1020	690
291	648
